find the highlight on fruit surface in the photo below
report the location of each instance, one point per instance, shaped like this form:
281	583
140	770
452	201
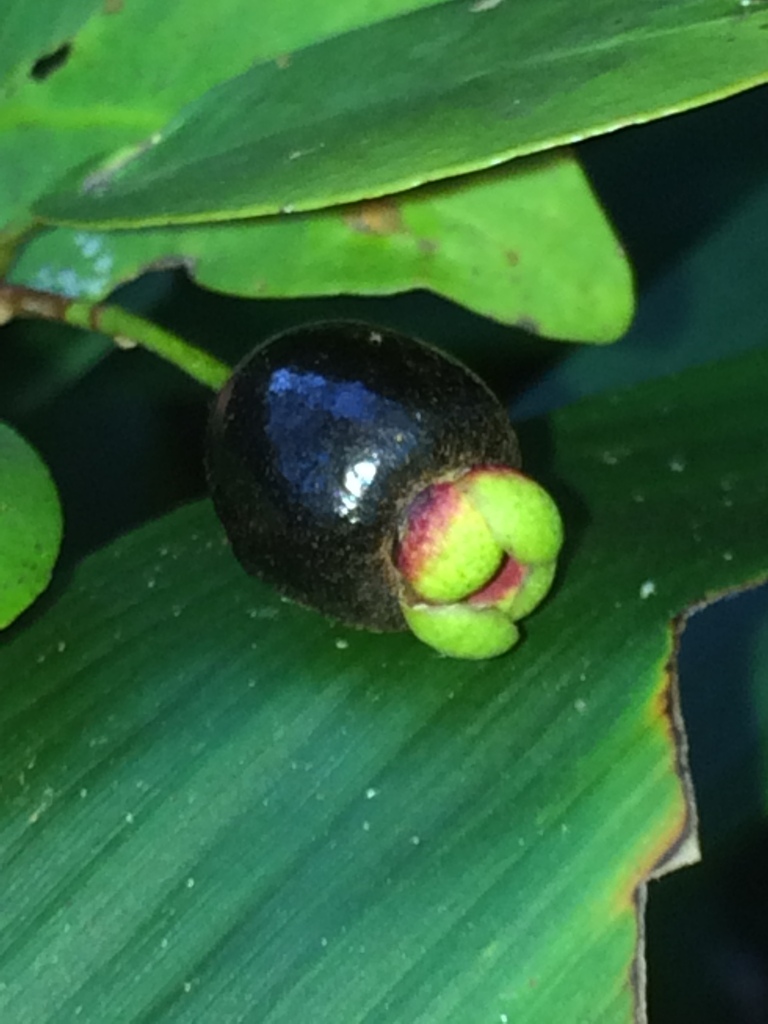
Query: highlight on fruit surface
375	479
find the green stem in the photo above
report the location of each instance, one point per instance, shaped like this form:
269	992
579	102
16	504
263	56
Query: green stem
125	329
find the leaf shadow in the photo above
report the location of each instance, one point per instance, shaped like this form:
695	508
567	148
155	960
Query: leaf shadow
537	444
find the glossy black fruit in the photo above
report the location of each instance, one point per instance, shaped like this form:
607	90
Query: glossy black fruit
319	442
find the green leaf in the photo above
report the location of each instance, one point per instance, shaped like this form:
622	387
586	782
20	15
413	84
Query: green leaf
132	68
439	91
30	525
220	806
525	244
29	35
692	313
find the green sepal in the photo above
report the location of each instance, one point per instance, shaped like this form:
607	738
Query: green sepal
461	631
519	512
463	559
532	592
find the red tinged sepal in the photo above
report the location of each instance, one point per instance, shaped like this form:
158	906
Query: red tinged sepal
486	541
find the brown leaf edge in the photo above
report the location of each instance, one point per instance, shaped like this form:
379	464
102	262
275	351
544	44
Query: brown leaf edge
683	848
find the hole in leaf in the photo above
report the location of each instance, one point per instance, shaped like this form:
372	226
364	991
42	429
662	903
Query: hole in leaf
51	62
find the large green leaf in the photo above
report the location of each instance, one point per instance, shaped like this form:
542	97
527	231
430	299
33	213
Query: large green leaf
444	89
30	525
452	240
132	66
524	244
29	35
695	312
218	806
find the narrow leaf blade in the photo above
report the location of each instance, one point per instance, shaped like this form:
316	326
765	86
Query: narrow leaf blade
525	244
437	92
